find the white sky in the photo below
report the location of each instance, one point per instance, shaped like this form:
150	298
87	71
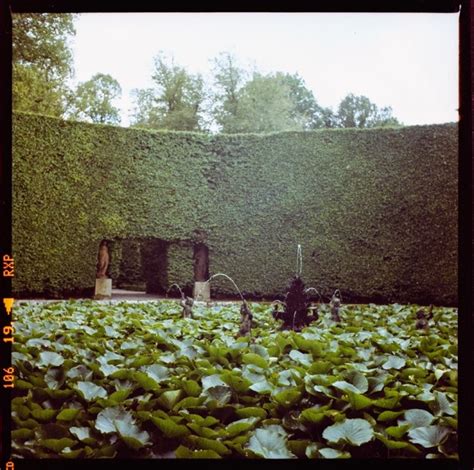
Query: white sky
406	61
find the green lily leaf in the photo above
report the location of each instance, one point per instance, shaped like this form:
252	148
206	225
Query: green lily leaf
120	395
57	444
183	452
22	434
209	444
288	397
389	415
170	398
192	388
240	426
353	431
270	442
428	436
255	359
397	431
169	428
43	415
203	431
250	412
358	401
67	414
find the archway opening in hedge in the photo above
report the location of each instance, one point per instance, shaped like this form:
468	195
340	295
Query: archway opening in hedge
140	264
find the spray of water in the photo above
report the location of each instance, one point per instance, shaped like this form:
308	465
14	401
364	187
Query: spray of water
299	261
315	290
179	288
231	280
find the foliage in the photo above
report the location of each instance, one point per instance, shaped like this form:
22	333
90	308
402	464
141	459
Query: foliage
229	77
359	111
374	210
93	100
175	102
137	380
264	104
42	61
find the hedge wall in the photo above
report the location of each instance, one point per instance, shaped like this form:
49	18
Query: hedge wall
374	210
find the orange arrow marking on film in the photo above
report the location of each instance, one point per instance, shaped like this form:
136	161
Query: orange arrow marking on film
8	305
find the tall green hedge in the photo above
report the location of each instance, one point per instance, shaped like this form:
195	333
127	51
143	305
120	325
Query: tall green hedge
374	210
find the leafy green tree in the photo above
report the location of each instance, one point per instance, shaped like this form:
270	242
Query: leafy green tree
229	78
359	111
93	100
175	102
42	62
264	105
307	113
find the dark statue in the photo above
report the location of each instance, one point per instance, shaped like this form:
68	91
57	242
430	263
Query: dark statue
295	315
245	320
187	304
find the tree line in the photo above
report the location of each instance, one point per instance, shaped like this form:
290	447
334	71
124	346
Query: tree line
234	100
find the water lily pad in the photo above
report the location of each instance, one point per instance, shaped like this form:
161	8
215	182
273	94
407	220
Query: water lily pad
43	415
67	414
57	445
353	431
328	453
48	358
359	401
394	362
417	418
263	386
169	428
250	411
270	442
90	391
252	358
192	388
441	405
170	398
183	452
428	436
301	358
240	426
81	433
212	381
288	397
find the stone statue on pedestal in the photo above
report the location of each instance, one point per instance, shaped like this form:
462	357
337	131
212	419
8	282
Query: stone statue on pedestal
102	260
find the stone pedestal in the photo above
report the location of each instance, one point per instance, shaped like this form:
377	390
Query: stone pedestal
103	288
202	292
